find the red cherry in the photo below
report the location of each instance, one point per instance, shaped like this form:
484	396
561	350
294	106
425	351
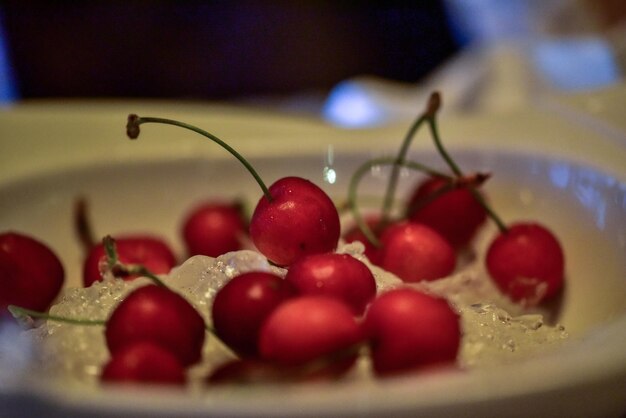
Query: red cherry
307	328
242	305
143	362
31	275
336	275
214	229
455	214
355	234
299	220
527	263
415	252
159	315
410	330
151	252
293	218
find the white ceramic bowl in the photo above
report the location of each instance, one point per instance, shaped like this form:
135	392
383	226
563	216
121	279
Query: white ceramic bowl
544	169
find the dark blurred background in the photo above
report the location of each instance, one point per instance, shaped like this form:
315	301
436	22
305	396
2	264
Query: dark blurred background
217	49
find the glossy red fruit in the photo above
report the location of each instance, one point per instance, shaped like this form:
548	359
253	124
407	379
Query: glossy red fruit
151	252
339	276
31	274
307	328
415	252
409	330
214	229
527	263
355	234
300	220
158	315
242	305
143	362
456	215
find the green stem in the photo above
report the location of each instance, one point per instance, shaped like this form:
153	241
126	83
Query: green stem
432	123
395	171
356	178
132	129
479	198
20	313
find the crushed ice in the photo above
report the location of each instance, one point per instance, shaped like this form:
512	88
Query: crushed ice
495	330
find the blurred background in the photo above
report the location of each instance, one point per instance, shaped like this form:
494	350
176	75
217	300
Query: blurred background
353	63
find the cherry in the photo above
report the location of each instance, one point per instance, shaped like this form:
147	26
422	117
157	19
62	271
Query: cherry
257	371
293	218
31	274
336	275
241	306
143	362
456	214
415	252
310	327
214	228
156	314
151	252
148	251
299	220
527	263
409	330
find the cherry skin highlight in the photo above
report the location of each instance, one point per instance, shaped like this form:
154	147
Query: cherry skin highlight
31	274
307	328
527	263
158	315
456	214
151	252
409	330
213	229
143	362
336	275
241	306
299	220
415	252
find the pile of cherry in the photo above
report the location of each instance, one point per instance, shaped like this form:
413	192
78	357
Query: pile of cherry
316	321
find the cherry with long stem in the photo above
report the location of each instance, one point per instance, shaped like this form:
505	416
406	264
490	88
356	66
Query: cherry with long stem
294	218
432	124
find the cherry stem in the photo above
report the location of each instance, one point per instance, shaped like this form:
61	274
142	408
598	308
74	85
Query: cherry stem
432	124
82	225
432	106
490	212
395	172
118	269
360	172
132	130
23	314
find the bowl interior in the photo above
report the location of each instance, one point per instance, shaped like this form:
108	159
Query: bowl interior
584	207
